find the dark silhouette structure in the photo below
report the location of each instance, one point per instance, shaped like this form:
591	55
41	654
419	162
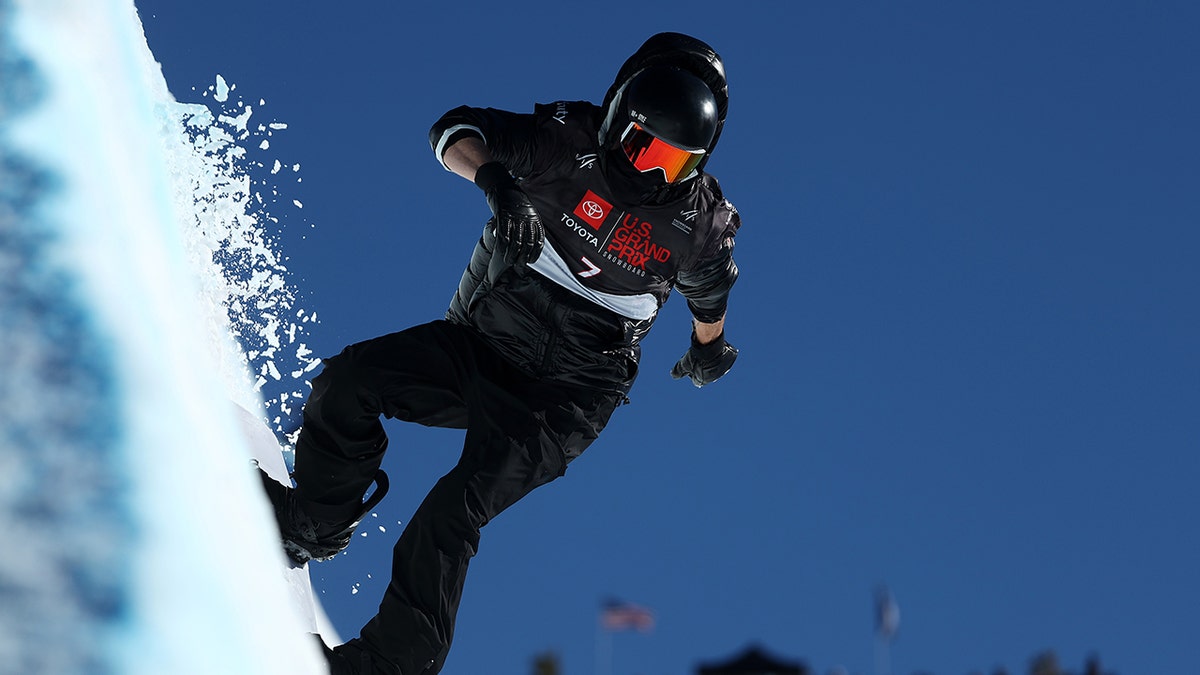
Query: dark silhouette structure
755	661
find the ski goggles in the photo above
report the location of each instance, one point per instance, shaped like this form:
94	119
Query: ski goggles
648	153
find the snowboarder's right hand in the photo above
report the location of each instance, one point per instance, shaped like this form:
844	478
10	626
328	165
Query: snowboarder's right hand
519	230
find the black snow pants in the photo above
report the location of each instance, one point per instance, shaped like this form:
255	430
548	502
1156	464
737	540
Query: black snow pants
520	434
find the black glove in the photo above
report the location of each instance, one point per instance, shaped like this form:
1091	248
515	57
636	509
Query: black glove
706	364
519	231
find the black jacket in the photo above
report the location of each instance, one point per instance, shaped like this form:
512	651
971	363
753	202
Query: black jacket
615	247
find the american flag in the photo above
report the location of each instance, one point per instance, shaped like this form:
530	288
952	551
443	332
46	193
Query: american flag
617	615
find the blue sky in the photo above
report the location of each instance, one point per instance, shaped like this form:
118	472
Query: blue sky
967	323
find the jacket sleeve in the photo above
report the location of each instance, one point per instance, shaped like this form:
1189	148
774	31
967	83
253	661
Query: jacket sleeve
509	136
707	284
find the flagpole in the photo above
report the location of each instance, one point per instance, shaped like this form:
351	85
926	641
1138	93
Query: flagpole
603	649
887	621
883	657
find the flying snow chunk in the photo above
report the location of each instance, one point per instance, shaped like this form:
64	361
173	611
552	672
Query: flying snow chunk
222	94
297	203
240	121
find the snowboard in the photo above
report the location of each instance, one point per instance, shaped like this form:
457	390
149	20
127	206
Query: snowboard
267	451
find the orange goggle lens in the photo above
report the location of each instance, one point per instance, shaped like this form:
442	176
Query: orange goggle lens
649	153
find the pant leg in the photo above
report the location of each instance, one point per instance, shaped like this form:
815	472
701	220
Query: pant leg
411	375
521	434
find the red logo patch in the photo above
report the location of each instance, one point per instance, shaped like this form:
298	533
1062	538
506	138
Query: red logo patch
593	210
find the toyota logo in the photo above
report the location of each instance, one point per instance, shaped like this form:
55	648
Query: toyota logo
592	210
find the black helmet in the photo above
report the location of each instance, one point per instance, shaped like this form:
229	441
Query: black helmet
664	118
682	51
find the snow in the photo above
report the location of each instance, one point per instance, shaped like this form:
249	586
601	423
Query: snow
137	279
222	90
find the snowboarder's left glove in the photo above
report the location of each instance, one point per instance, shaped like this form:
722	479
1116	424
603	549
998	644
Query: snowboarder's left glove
519	230
706	363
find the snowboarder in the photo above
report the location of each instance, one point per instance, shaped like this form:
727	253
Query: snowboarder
598	212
